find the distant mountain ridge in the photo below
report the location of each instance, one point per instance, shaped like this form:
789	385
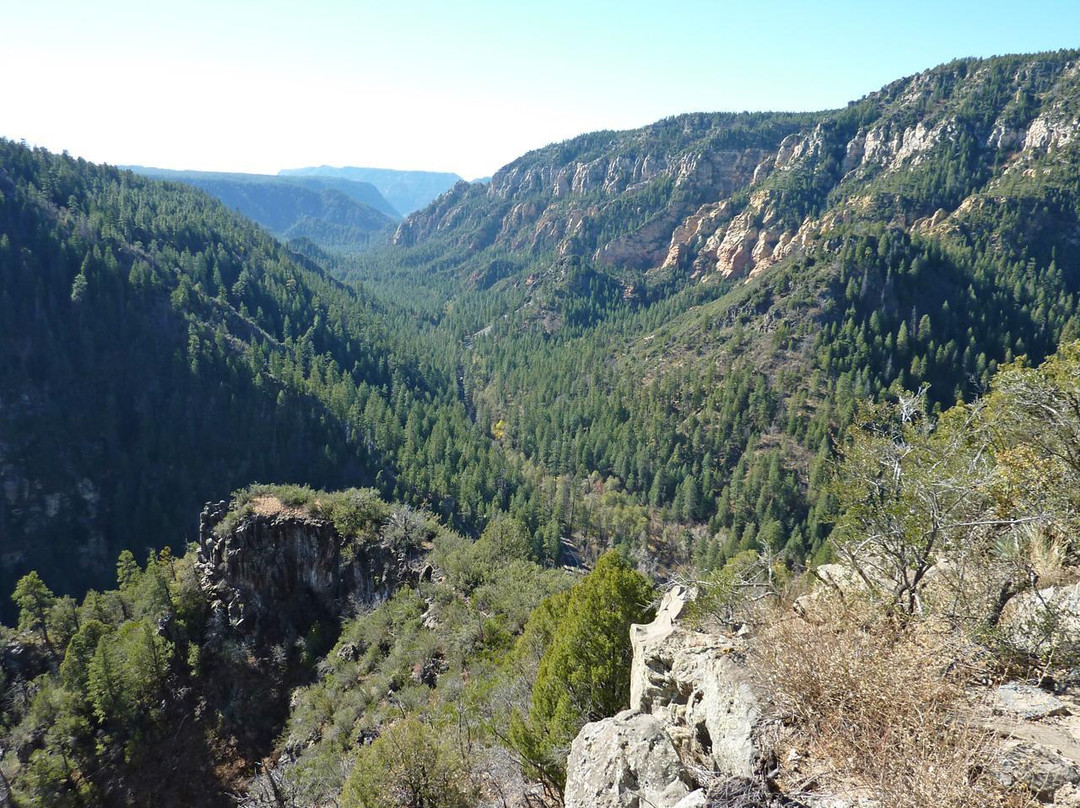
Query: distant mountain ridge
407	191
332	212
723	195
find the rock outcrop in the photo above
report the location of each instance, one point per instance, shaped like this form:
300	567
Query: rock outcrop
695	733
1029	703
280	571
692	714
1039	740
577	198
724	197
1038	769
696	684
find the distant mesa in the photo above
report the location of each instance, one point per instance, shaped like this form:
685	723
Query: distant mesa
333	213
407	191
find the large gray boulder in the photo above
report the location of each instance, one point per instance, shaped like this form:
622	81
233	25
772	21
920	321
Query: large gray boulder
1037	622
626	761
696	684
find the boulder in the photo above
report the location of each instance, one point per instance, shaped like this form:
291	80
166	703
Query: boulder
626	761
1040	770
831	581
695	799
842	578
1035	622
1027	702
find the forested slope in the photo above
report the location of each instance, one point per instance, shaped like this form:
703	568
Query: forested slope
158	351
667	342
622	336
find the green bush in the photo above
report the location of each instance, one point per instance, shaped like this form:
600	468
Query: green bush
584	672
409	766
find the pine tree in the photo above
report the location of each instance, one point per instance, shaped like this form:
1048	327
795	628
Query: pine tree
35	601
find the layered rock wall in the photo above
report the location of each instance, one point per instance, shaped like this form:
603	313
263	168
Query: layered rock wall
725	197
280	571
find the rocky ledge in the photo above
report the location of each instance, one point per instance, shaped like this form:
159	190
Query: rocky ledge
277	572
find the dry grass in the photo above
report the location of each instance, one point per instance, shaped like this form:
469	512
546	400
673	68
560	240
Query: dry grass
875	704
269	505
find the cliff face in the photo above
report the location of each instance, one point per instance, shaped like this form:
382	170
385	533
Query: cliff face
728	196
279	571
613	197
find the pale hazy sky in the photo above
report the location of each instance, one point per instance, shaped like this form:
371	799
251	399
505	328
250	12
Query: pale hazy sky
258	85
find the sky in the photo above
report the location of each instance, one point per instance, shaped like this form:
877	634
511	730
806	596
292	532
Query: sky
260	85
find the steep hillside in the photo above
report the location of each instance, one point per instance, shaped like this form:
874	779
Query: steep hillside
630	358
407	191
692	310
320	648
141	695
158	350
332	213
614	197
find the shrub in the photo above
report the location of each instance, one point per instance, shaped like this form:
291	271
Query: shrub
584	673
408	766
732	594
